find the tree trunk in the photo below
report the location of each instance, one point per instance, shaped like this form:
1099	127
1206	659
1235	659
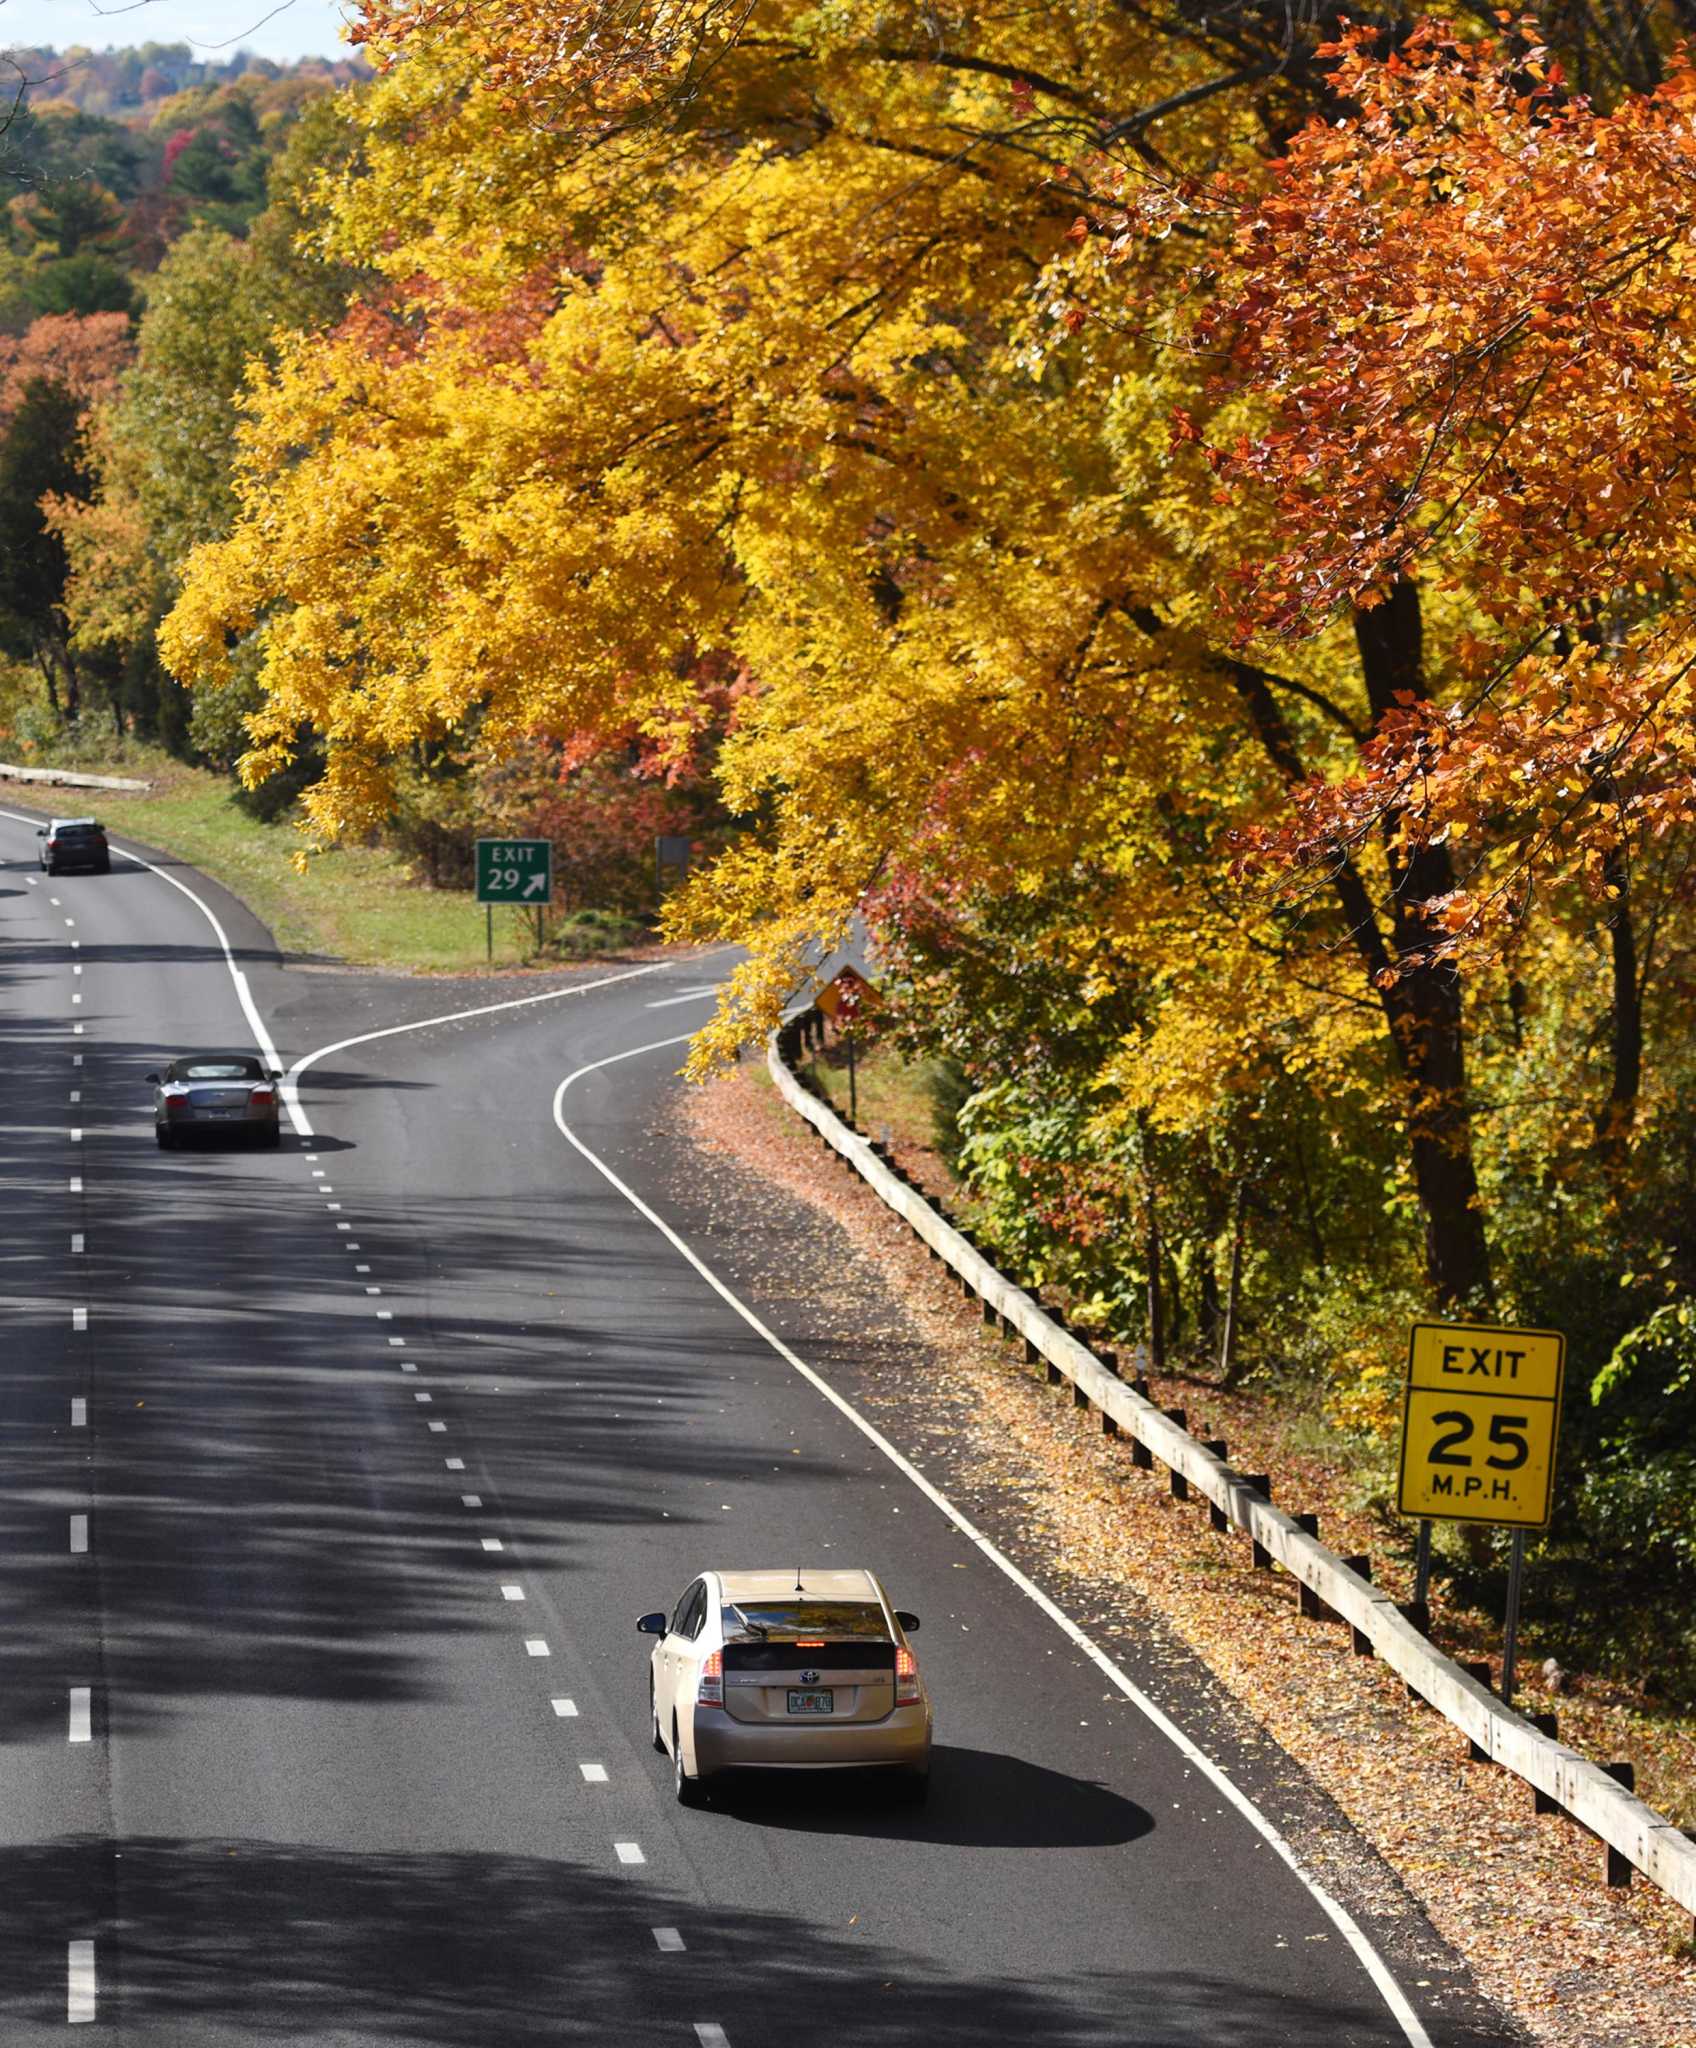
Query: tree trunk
1420	996
1423	1003
1156	1307
1228	1374
1613	1127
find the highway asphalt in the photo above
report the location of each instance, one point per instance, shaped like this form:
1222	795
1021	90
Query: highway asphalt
326	1721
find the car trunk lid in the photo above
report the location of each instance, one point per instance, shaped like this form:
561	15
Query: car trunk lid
832	1682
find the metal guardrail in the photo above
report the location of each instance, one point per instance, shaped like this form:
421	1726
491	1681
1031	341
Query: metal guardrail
1597	1797
66	778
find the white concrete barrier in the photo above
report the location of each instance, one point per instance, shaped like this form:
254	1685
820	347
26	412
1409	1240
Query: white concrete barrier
66	778
1664	1854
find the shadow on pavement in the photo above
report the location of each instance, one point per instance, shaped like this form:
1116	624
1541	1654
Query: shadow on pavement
977	1800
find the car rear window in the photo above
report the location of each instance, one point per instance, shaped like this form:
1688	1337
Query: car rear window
795	1620
76	831
217	1070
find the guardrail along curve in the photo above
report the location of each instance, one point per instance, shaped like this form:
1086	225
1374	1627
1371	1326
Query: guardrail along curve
1634	1835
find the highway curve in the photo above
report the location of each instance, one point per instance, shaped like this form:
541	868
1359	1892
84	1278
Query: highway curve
328	1724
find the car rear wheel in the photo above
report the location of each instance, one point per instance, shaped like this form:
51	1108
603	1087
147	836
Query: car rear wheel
271	1137
166	1138
689	1791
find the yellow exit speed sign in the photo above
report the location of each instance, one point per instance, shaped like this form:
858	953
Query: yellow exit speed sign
1479	1427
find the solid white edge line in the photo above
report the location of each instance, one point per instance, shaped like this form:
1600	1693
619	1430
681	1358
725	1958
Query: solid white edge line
80	1989
244	995
291	1081
1339	1916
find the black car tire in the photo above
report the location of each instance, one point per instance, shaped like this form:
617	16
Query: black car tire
688	1791
105	867
272	1138
167	1139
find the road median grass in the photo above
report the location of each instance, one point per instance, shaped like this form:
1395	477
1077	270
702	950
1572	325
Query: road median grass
354	906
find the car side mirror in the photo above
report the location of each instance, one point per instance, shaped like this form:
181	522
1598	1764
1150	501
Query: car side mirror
154	1078
276	1073
909	1622
41	831
651	1625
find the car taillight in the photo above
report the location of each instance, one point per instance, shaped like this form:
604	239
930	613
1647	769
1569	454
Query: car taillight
262	1095
906	1678
175	1099
710	1692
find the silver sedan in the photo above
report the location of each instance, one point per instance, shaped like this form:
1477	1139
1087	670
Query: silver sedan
787	1671
211	1091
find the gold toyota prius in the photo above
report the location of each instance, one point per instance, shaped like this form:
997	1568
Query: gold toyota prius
787	1671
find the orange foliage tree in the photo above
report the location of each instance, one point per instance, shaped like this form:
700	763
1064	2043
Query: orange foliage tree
1458	315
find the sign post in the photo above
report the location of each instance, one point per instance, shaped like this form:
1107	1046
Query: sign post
1479	1422
845	998
517	871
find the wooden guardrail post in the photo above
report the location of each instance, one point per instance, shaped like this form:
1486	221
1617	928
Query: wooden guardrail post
1479	1668
1362	1569
1216	1515
1180	1485
1618	1868
1549	1725
1261	1483
1308	1602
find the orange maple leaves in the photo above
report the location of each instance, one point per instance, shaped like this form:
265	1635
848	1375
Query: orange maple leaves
1461	309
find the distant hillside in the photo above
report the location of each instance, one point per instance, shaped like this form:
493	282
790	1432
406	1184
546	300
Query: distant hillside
129	84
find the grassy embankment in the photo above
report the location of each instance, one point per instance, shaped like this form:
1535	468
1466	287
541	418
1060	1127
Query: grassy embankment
357	905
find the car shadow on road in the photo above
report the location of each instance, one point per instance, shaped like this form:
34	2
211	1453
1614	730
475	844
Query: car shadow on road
978	1800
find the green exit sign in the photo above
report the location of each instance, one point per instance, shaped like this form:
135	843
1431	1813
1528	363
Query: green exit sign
515	870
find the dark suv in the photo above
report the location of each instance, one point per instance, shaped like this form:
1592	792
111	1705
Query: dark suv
75	843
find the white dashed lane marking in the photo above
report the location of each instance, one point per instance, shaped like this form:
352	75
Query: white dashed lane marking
629	1852
424	1397
438	1428
79	1412
454	1464
512	1592
76	1183
668	1941
593	1774
81	1727
76	1244
79	1319
566	1709
79	1535
535	1647
76	1135
471	1500
493	1543
79	1984
711	2035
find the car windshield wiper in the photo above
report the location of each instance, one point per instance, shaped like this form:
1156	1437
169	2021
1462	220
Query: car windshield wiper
757	1629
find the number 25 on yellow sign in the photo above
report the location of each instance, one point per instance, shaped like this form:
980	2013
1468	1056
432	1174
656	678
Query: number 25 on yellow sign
1482	1414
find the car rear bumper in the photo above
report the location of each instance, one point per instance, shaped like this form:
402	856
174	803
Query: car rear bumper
723	1744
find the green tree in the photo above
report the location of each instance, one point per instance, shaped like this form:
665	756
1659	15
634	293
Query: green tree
40	455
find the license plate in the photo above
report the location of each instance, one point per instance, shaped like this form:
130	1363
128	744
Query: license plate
812	1702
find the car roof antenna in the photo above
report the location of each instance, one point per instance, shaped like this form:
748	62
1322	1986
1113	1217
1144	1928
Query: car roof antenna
798	1586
